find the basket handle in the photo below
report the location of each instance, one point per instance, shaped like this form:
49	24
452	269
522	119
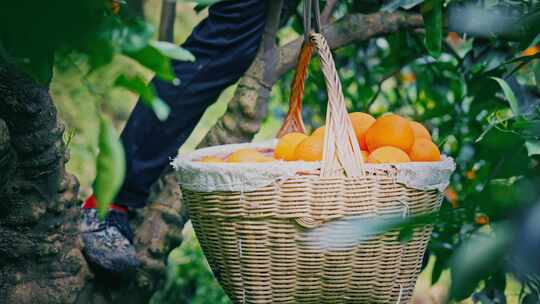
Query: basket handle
293	121
341	152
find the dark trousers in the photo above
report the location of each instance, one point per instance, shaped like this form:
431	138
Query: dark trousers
225	44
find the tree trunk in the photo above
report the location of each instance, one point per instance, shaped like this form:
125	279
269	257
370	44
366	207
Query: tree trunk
40	250
40	260
166	23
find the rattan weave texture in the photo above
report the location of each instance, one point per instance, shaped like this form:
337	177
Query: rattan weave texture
260	250
260	244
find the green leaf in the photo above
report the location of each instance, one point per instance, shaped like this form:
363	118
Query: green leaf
477	259
365	93
38	67
537	74
526	28
135	84
133	36
527	128
393	5
406	234
153	59
147	93
533	147
173	51
110	166
512	100
339	234
161	108
433	18
496	282
100	52
497	120
441	263
531	298
199	8
342	233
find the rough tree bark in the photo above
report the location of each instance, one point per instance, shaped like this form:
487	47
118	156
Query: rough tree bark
40	251
166	23
326	14
39	257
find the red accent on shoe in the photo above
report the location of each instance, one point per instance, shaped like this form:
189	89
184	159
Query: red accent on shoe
91	203
119	208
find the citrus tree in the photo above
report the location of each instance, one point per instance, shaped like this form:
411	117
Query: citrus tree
470	72
475	84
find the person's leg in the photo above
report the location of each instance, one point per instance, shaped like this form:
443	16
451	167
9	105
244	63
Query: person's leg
225	44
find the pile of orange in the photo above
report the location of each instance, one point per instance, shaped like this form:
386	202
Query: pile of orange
240	156
388	139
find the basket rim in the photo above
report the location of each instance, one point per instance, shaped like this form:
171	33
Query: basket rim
190	158
215	177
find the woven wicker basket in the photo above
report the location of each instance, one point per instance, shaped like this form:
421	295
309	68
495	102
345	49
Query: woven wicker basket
258	242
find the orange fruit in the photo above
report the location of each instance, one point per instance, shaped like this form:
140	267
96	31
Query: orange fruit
115	6
407	78
287	144
319	131
365	155
471	174
419	130
246	156
481	219
390	130
265	159
211	159
361	123
388	154
310	149
531	51
452	196
454	38
424	150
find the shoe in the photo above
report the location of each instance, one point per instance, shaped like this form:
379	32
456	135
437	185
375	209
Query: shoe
108	243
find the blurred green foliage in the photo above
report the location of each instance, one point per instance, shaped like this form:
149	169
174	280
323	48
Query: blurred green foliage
478	94
36	35
189	279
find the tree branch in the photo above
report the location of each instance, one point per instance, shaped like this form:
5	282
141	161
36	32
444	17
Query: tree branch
351	28
246	109
166	23
328	10
248	106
